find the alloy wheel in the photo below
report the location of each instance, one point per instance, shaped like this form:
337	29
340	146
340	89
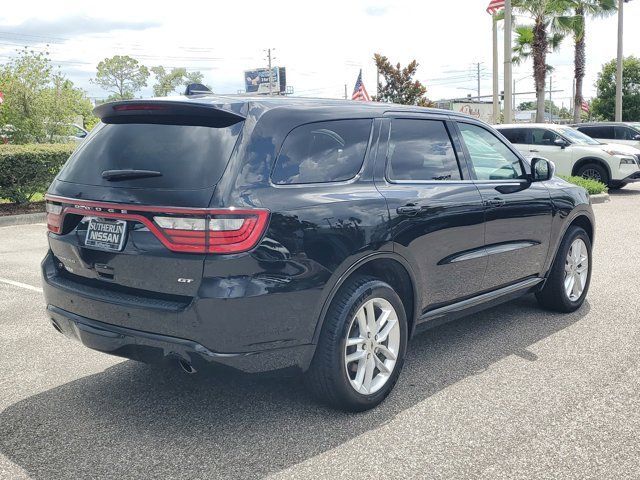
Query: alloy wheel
576	269
592	173
372	346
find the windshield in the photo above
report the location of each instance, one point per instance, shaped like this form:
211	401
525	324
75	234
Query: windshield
577	137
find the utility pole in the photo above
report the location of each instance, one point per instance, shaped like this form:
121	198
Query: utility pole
496	81
345	91
508	100
269	59
620	61
478	74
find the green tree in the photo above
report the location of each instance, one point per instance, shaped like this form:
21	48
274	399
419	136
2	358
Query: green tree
536	40
122	76
167	82
398	85
603	106
576	26
39	102
549	106
193	77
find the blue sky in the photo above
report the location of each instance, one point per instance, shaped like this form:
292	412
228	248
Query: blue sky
322	44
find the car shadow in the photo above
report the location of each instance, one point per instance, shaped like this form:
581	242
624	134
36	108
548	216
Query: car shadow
623	192
134	420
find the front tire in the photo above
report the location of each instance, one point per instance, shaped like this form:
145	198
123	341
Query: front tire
361	348
568	283
594	171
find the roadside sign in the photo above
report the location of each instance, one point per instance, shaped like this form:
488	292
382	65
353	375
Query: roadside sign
1	98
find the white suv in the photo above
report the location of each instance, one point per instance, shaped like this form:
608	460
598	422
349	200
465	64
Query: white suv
575	153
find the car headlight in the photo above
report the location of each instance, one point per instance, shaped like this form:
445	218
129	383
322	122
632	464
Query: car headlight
627	161
616	152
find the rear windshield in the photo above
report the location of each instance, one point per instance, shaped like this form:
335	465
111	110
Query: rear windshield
187	157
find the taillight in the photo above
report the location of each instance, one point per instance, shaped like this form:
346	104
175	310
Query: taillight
224	231
180	229
54	217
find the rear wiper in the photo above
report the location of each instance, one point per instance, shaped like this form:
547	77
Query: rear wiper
113	175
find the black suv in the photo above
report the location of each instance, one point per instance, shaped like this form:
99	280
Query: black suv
316	236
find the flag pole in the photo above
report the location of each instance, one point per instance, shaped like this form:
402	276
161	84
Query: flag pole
496	82
508	106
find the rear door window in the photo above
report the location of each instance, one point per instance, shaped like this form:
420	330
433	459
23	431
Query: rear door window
421	150
322	152
186	156
517	136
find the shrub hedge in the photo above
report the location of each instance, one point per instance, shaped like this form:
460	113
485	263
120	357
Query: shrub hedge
28	169
592	186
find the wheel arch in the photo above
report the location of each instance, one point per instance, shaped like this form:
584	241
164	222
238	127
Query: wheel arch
389	267
581	219
586	160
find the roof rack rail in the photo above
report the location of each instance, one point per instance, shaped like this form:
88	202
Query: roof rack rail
196	89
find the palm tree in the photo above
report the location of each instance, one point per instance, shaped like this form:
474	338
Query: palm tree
575	25
536	40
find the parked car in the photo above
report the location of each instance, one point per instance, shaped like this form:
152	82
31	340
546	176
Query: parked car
575	153
606	132
301	235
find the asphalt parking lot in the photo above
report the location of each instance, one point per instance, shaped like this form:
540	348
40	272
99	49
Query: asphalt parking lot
513	392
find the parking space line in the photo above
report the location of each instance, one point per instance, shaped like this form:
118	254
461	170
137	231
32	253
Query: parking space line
20	284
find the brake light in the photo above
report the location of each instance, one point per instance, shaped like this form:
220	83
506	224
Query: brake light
54	217
180	229
138	106
219	232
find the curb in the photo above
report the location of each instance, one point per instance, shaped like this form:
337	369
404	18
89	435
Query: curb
600	198
24	219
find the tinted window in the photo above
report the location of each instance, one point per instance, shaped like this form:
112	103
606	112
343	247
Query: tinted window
322	152
188	157
598	132
491	159
625	133
515	135
542	136
421	150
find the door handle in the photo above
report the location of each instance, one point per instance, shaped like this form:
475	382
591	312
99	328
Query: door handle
408	210
534	151
494	202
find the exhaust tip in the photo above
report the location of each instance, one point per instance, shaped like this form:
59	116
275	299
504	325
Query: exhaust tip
186	367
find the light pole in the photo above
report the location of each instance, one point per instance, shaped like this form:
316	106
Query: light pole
619	66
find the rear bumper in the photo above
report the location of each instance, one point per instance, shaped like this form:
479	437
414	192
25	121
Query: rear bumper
156	330
155	348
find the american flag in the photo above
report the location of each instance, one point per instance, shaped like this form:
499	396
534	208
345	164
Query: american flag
359	92
495	6
585	106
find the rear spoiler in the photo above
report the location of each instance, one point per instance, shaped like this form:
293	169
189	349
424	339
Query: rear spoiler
173	112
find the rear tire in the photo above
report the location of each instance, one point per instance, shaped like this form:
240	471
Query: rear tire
361	348
594	171
568	283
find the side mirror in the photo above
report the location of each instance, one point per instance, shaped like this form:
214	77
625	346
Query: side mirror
560	142
636	137
542	169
